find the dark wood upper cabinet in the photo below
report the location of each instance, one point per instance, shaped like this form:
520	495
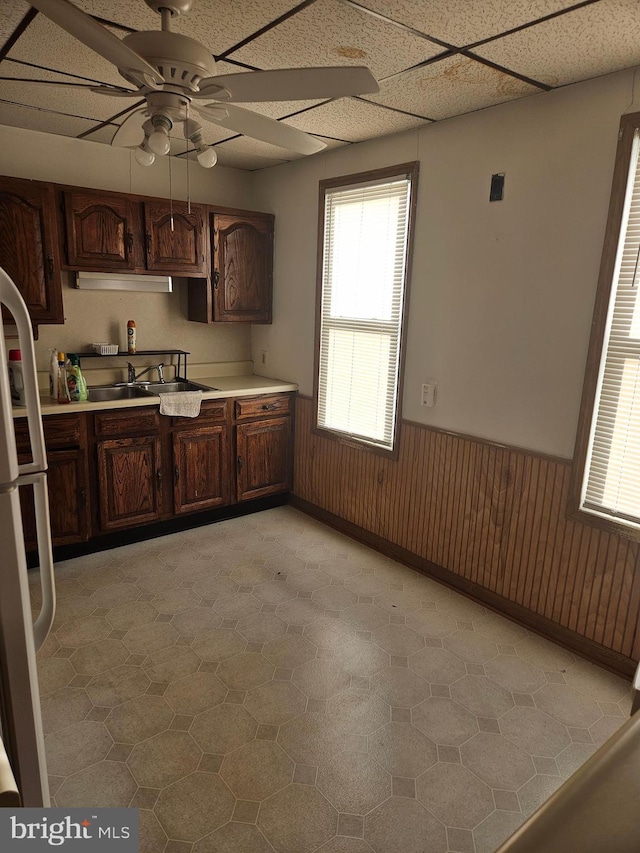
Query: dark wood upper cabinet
101	230
175	238
28	247
242	268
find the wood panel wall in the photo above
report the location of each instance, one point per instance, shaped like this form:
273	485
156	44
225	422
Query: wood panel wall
493	518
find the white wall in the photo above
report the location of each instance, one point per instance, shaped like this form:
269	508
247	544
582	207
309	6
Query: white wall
97	316
501	293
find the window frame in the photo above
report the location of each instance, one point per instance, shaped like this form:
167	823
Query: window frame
410	170
629	124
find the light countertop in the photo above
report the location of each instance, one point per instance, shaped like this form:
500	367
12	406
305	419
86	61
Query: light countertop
226	386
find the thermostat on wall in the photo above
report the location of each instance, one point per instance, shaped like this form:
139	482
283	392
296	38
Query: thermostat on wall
496	193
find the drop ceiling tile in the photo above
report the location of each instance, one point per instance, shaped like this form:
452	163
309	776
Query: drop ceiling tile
13	11
217	25
46	44
462	22
76	101
43	120
353	120
331	33
587	42
450	87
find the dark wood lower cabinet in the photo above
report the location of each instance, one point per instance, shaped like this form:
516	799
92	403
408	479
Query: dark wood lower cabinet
263	457
130	481
67	481
120	468
201	468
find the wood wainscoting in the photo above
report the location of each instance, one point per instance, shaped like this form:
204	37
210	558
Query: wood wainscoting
487	519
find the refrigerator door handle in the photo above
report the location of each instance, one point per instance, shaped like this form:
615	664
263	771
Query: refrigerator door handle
9	796
44	622
10	296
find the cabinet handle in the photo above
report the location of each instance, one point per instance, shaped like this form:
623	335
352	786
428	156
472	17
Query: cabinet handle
129	240
216	279
148	240
50	268
176	473
240	463
159	477
266	406
83	495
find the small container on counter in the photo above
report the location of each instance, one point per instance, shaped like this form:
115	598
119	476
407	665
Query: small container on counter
131	337
16	380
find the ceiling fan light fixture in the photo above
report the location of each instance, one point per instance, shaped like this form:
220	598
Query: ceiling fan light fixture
144	156
207	157
158	142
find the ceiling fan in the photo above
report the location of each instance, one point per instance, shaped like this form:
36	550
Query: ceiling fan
171	71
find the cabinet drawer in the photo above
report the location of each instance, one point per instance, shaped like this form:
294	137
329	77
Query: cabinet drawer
123	423
211	412
60	431
263	406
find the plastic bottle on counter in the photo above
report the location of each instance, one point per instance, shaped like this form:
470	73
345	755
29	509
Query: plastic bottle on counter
16	380
63	395
75	380
131	337
53	374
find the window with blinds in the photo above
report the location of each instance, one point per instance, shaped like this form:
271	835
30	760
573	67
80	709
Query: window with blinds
611	481
364	267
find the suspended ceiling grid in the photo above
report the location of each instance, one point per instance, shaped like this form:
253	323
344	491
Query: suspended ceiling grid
433	60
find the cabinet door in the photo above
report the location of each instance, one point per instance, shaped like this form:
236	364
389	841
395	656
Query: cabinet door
201	469
100	231
28	251
176	241
243	268
67	480
263	457
130	481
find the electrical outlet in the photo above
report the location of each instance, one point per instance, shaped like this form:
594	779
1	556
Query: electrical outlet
429	391
264	355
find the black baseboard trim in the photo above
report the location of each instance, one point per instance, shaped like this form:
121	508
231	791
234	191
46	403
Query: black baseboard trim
582	646
162	528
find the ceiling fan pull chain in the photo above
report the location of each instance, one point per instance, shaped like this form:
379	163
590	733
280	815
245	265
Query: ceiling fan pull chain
170	194
186	118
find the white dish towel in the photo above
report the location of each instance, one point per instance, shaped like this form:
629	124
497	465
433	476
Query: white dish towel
182	404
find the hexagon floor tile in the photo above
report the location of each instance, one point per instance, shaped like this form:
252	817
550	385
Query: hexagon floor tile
266	684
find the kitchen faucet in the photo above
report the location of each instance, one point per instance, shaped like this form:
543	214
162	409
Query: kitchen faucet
131	373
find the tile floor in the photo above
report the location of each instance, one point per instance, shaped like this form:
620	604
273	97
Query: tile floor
266	684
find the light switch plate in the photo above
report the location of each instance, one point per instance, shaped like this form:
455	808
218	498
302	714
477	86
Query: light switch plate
429	392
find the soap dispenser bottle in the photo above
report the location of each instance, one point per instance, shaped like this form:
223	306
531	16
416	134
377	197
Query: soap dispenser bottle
75	380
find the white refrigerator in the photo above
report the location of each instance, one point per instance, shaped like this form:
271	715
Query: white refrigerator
23	771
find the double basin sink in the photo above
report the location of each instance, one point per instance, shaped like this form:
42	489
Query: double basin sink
134	390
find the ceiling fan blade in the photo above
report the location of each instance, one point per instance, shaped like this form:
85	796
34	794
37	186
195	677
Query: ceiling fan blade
130	134
100	39
114	91
291	84
260	127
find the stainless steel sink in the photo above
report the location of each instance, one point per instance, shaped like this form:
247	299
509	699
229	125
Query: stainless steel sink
179	385
102	393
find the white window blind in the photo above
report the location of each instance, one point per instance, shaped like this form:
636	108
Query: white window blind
611	487
363	274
